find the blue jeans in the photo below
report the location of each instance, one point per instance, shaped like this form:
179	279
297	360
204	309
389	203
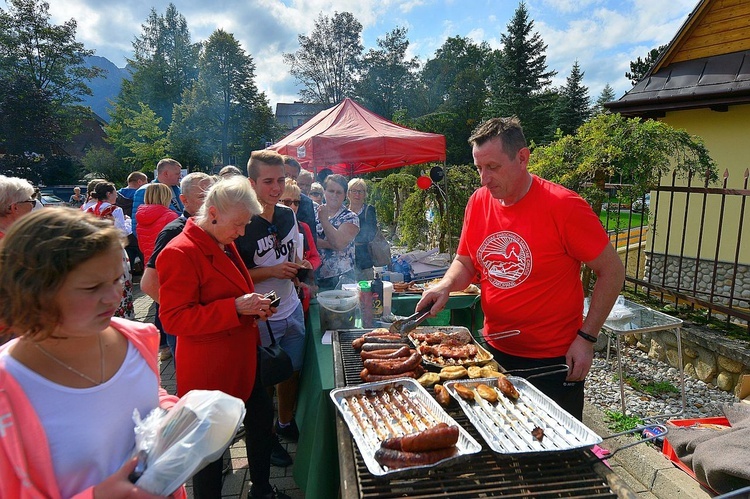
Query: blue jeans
289	333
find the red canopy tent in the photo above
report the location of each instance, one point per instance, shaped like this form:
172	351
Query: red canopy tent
349	139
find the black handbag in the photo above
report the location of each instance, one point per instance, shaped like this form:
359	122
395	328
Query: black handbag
274	363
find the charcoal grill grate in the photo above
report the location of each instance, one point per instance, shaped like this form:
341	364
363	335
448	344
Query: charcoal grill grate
565	474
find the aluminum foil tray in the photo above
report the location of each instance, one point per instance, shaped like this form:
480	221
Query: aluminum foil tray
395	408
506	425
483	357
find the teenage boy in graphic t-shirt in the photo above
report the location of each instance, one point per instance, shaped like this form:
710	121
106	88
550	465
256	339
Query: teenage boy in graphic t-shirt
526	238
268	248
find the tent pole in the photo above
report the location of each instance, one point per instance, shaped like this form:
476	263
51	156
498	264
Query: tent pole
447	211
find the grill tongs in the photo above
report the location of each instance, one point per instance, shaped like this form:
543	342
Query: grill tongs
531	372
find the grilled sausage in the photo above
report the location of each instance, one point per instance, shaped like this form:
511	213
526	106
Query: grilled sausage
393	366
397	442
369	347
437	437
358	342
396	459
384	338
389	353
381	331
367	377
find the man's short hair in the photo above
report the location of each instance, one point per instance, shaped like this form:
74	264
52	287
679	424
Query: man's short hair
262	156
288	160
165	164
191	179
306	174
136	176
508	130
229	171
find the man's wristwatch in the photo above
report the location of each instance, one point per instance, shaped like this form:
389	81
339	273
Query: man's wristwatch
587	336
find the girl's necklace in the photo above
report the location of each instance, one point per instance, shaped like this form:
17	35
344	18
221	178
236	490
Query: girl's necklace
74	370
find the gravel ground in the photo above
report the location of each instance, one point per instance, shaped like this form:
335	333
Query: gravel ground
603	388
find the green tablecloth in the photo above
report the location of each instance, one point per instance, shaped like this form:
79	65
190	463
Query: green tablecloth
316	466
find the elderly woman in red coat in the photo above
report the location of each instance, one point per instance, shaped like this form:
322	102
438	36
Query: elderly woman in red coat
207	301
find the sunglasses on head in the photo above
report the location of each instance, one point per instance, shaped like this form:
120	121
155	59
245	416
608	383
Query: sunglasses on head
290	202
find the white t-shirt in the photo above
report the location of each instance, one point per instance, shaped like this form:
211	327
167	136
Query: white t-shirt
89	430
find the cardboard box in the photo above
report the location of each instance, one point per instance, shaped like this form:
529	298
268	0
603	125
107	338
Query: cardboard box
745	389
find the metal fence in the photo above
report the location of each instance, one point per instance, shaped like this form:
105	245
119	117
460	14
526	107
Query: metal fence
678	267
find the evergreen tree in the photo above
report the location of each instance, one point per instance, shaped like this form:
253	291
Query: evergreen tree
607	95
327	61
520	80
164	64
455	93
573	104
639	67
388	81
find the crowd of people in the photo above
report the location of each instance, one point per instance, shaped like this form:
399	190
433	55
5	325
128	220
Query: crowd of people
212	247
209	249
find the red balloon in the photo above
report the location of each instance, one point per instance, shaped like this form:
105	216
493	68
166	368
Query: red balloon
424	182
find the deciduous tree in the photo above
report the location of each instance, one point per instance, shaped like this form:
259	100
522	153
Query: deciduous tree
388	79
327	61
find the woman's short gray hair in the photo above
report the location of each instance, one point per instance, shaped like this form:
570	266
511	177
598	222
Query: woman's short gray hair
13	190
229	193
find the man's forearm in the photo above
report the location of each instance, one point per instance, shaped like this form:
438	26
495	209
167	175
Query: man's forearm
460	274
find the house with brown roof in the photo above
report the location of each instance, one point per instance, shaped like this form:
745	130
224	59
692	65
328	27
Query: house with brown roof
701	83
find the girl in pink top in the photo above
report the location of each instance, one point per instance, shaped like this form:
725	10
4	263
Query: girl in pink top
71	378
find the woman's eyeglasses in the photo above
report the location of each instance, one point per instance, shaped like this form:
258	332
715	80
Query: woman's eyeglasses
290	202
316	194
357	191
32	201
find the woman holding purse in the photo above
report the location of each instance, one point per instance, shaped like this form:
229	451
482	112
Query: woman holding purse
208	302
368	227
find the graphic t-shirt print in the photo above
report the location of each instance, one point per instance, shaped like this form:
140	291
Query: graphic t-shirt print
505	259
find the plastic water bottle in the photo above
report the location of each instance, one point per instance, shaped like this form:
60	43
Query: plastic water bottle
365	301
377	297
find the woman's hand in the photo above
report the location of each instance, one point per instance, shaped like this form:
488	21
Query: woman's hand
304	264
118	486
254	304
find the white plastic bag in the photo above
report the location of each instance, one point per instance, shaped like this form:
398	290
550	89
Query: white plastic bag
177	444
620	311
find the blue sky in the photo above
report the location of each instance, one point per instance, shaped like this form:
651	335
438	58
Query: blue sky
603	35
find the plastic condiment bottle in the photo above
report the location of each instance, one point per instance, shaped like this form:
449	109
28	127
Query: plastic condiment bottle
377	297
365	301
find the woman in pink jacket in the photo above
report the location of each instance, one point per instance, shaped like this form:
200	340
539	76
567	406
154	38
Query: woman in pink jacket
152	216
73	375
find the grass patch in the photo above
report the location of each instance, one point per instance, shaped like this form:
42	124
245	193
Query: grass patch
656	388
622	219
618	421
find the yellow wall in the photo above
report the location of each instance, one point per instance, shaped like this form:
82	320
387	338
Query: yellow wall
727	137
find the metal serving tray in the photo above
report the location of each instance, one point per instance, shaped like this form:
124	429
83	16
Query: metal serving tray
390	420
483	357
506	425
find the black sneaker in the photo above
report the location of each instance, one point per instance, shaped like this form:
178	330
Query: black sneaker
290	432
274	494
279	456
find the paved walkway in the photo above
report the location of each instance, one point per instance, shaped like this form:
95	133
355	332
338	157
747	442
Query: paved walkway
237	481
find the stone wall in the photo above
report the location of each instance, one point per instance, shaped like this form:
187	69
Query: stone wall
706	355
684	275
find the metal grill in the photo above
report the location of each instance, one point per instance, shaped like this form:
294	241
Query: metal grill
565	474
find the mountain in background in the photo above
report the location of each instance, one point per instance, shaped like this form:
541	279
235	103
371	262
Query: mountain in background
104	88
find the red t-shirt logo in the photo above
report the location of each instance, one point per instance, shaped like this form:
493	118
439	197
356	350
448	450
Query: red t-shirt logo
505	259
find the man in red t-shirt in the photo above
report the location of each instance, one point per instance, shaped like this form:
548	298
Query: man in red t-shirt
525	238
